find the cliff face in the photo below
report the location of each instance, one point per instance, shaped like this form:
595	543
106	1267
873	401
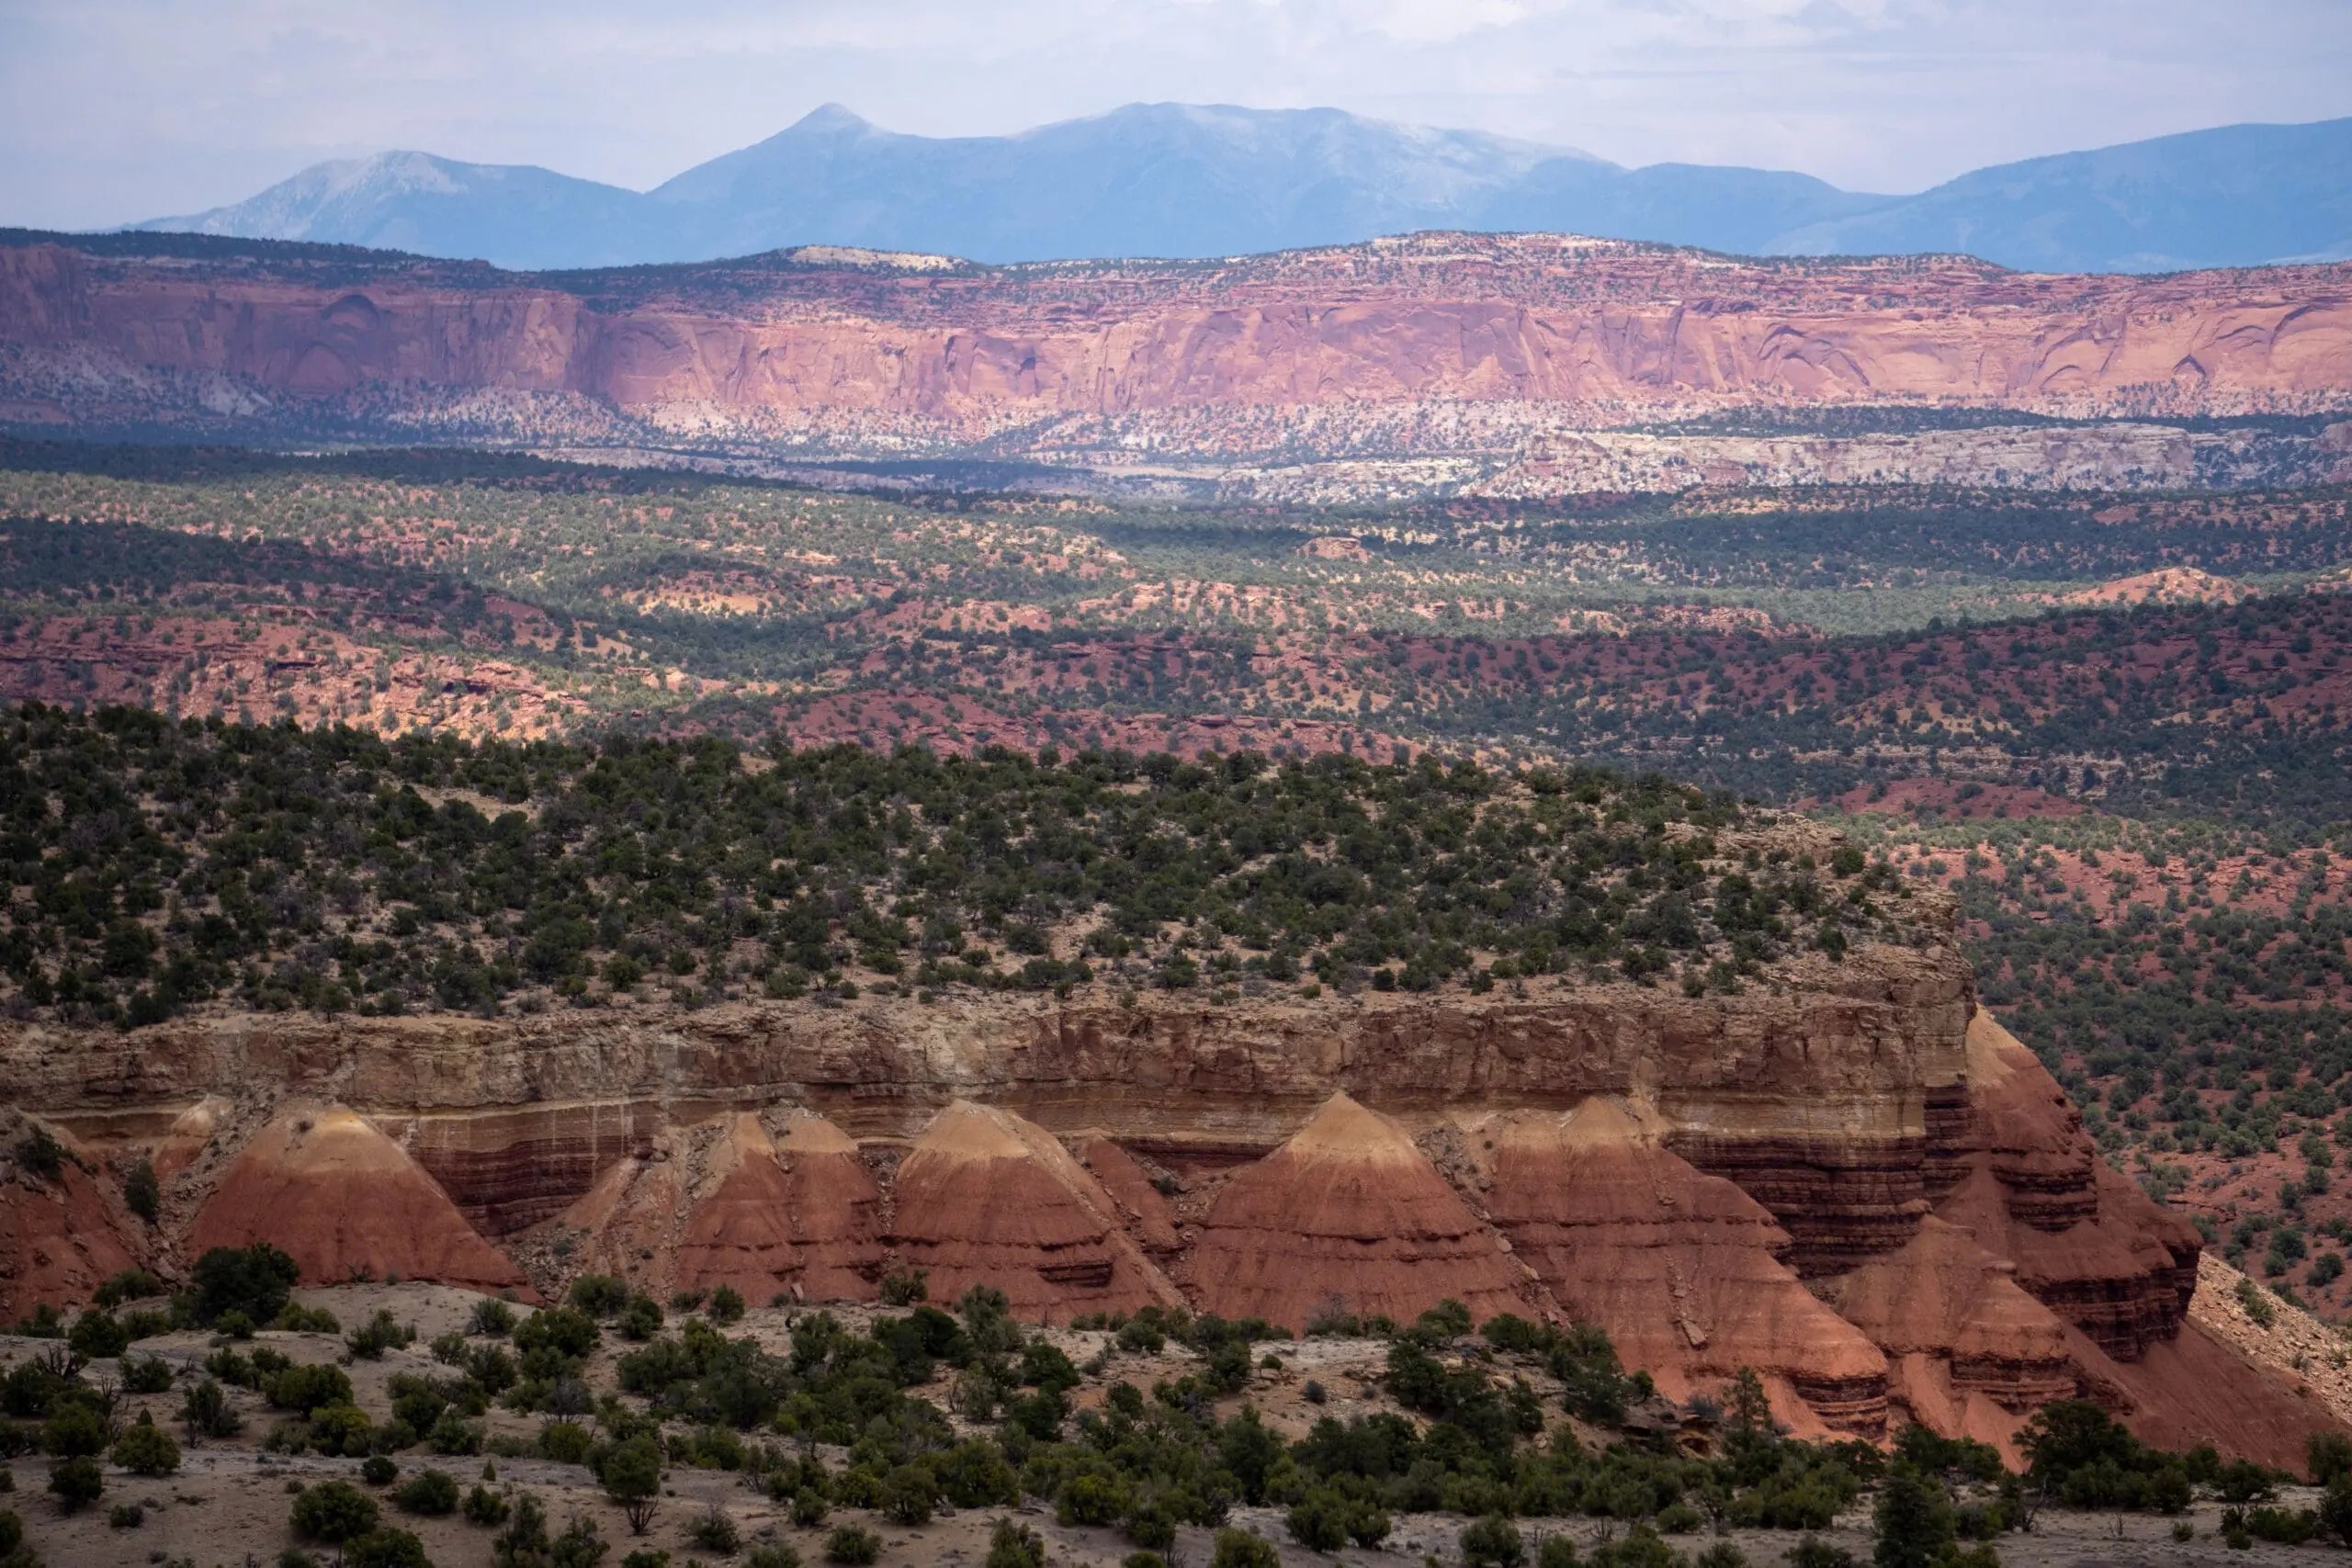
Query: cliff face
1432	319
1849	1181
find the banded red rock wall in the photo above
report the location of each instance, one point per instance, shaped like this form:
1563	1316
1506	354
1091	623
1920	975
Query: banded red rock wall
1476	318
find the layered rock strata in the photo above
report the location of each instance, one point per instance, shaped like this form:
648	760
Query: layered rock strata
788	1214
2084	1240
1668	1166
1972	1352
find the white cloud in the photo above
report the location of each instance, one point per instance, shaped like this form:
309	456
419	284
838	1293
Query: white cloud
111	109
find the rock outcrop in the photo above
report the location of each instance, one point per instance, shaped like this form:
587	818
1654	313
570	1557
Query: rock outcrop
1348	1217
345	1202
985	1197
1683	1269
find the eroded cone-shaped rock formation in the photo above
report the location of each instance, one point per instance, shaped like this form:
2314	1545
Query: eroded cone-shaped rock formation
2031	1189
985	1197
345	1202
1347	1217
1972	1352
61	1237
1683	1269
785	1212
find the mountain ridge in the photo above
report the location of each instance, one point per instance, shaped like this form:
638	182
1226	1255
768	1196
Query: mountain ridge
1198	181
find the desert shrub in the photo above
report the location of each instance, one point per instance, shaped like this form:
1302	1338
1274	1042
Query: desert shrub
384	1549
253	1280
379	1334
430	1492
76	1482
334	1512
306	1388
145	1448
205	1412
97	1335
905	1287
598	1295
1013	1545
491	1318
146	1374
852	1545
714	1529
484	1507
726	1304
1492	1542
1240	1549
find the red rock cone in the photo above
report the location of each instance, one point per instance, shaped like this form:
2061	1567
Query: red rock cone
1348	1217
986	1198
343	1201
1682	1270
59	1237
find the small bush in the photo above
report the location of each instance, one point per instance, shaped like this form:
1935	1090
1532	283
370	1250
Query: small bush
77	1482
714	1531
599	1295
334	1512
1240	1549
493	1319
852	1545
379	1334
484	1507
126	1516
432	1493
1492	1542
1013	1545
146	1374
146	1449
142	1193
377	1469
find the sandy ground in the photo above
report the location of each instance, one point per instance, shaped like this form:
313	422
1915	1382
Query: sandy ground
228	1506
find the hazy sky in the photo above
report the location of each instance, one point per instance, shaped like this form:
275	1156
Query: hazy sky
116	109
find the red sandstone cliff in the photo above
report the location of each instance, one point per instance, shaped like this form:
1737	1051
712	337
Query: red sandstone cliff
1544	320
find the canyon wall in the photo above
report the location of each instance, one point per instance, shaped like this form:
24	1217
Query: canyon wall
873	353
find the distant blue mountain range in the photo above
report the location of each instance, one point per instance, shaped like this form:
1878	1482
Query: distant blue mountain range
1183	180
